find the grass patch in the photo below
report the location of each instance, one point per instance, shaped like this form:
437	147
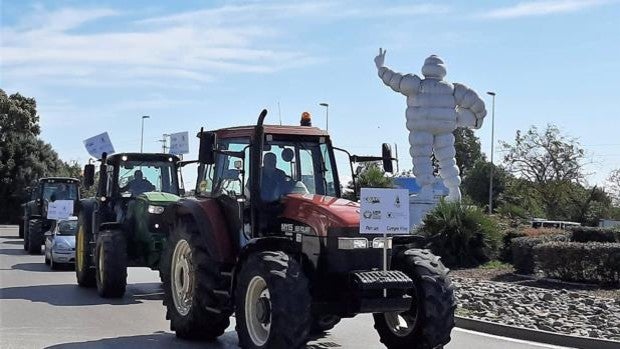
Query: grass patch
495	264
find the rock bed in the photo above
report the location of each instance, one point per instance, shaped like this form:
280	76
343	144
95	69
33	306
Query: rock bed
561	311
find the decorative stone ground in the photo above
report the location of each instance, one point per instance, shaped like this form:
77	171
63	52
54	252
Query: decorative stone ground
559	311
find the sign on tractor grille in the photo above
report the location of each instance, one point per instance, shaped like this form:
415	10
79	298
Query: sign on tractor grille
380	279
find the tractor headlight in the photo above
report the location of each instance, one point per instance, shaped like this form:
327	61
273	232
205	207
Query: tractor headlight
379	242
352	243
156	209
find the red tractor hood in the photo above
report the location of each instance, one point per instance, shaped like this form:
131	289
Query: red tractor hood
321	212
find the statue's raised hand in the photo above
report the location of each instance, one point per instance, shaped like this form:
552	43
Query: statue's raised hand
380	59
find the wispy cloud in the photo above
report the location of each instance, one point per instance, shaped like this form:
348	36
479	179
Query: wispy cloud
51	47
542	8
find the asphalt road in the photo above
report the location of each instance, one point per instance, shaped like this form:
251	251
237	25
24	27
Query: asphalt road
40	308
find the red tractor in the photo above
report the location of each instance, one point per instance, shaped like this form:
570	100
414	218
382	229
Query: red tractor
269	238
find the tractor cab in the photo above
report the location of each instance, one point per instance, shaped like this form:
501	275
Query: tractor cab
256	171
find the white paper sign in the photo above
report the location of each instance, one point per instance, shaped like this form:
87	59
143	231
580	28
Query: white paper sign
179	143
384	211
60	209
98	145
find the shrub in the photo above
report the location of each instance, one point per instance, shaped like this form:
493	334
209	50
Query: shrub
463	236
529	231
522	250
505	253
574	261
589	234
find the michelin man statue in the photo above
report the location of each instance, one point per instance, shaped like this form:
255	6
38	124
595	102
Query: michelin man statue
435	108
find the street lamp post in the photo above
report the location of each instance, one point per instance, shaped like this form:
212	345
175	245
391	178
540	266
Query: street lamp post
326	115
142	133
492	94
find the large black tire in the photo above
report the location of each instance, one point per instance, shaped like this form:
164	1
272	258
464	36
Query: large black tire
280	289
21	229
26	224
84	268
35	237
431	317
190	303
111	264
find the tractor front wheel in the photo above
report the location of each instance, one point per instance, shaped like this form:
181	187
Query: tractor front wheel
111	259
189	280
272	302
431	318
84	269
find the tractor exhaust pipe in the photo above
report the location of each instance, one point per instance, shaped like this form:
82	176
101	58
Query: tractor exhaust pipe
261	117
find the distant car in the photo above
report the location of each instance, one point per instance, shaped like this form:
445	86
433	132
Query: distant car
60	243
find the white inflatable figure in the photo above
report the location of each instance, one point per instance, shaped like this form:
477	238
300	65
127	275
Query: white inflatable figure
435	108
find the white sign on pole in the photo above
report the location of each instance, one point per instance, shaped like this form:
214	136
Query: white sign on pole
384	211
60	209
98	145
179	143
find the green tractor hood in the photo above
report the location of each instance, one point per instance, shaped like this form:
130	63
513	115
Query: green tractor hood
159	197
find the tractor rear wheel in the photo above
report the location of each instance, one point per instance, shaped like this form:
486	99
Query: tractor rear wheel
188	278
84	269
111	262
272	302
431	318
35	237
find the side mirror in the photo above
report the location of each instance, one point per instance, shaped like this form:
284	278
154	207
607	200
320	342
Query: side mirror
48	233
238	165
206	153
89	175
386	155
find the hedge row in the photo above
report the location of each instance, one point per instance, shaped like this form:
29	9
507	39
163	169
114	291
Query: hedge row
523	254
589	234
582	262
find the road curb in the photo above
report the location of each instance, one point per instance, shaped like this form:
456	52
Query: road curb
534	335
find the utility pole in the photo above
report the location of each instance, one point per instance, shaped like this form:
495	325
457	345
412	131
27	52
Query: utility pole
163	140
492	148
142	133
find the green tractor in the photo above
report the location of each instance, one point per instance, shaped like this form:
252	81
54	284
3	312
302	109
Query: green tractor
123	225
35	222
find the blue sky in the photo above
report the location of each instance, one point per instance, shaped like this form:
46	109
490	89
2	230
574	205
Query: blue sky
97	66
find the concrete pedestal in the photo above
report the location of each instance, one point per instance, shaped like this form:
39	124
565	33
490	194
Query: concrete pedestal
418	208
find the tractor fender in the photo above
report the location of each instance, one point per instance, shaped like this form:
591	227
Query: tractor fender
207	215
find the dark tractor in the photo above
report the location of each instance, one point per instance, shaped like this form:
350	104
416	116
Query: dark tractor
35	222
269	238
122	226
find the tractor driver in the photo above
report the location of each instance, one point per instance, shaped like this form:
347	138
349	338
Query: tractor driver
138	184
273	179
61	193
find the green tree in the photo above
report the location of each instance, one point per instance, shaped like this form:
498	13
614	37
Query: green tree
468	150
370	176
476	183
23	156
613	186
549	162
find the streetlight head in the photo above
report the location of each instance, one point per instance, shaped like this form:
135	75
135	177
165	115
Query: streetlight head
324	104
491	93
146	117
